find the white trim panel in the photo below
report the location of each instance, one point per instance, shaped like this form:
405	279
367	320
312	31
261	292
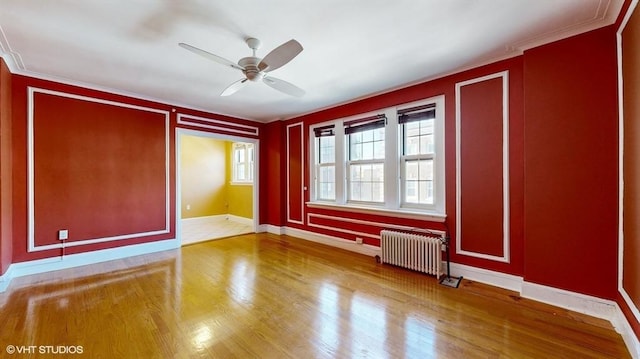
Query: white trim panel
31	246
505	169
360	221
301	221
623	292
217	125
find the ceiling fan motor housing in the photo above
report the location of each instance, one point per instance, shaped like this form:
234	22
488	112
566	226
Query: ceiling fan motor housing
251	70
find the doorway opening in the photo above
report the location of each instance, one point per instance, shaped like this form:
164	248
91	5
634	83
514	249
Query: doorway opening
217	185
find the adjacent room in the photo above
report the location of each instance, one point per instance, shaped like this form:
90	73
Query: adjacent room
216	188
408	179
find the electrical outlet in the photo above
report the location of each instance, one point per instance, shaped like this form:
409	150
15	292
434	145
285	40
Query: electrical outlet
63	234
358	240
188	207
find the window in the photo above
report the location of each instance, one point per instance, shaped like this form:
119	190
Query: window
417	157
389	160
365	167
243	157
325	164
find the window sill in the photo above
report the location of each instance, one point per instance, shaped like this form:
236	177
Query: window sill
398	213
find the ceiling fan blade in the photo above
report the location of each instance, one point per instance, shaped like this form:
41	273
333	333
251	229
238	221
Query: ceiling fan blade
210	56
283	86
234	87
280	56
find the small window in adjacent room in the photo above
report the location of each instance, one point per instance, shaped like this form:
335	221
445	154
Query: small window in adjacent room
243	157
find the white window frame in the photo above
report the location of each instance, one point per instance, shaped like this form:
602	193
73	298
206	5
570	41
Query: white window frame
319	165
247	163
393	163
351	162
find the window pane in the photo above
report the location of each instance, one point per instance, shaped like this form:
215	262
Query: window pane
355	151
367	150
366	182
326	149
367	145
241	176
418	184
418	137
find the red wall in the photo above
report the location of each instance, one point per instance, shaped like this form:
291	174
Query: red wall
272	174
6	210
571	150
562	164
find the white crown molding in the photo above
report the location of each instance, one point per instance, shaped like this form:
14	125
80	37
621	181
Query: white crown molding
606	14
16	67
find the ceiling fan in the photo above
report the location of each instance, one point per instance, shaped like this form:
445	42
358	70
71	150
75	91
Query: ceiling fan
255	68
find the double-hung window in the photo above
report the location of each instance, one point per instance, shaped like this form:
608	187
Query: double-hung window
390	160
365	165
325	169
417	125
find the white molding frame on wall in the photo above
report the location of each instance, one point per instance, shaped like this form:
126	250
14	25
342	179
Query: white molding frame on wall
505	169
310	223
302	202
633	306
31	246
217	125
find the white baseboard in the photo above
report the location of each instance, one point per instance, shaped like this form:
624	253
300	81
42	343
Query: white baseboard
75	260
623	327
577	302
498	279
205	219
241	220
269	228
5	279
220	217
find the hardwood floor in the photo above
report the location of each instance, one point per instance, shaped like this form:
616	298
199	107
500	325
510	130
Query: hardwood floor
266	296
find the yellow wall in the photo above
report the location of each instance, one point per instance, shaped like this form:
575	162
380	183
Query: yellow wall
203	183
205	187
240	196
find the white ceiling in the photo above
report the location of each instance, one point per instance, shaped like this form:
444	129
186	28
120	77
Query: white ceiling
352	48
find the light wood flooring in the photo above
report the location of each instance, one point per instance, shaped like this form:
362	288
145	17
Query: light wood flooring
267	296
201	229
